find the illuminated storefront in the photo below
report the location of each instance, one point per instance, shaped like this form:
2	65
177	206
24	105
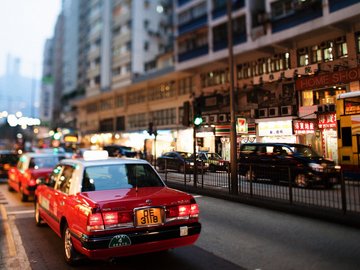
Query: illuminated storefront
276	130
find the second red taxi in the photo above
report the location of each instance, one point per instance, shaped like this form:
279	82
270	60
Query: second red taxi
104	208
30	166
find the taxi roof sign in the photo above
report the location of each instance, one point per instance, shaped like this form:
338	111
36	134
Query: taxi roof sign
95	154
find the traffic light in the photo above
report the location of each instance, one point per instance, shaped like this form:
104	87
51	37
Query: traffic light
197	109
151	128
186	114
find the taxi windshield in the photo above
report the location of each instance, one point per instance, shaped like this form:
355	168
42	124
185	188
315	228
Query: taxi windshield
119	176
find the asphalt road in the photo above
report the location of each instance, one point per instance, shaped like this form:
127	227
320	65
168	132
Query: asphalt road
234	236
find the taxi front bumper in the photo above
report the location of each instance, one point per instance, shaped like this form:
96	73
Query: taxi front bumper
147	240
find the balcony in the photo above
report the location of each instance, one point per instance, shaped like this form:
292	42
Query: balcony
193	24
335	5
222	44
221	10
301	15
197	52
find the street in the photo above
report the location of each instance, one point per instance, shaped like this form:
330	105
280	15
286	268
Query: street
234	236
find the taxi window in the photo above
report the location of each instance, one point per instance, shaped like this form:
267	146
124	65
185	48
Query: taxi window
119	176
64	181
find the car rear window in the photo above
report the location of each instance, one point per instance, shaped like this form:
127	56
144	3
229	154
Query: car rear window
44	162
119	176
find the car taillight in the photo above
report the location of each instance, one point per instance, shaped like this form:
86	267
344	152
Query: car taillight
30	179
109	220
95	222
182	211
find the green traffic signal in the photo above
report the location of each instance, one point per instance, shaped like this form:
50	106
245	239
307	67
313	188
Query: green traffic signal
198	120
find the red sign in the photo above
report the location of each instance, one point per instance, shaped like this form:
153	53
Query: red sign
329	79
327	120
304	127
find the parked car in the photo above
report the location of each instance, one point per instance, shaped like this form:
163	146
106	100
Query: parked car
30	166
8	159
279	161
105	208
120	150
179	161
213	161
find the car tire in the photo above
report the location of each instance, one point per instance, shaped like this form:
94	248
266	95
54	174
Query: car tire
38	219
301	180
72	257
23	196
10	188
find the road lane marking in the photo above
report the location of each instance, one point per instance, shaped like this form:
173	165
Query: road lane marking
8	234
21	212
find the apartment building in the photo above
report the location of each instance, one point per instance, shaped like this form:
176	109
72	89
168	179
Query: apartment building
291	59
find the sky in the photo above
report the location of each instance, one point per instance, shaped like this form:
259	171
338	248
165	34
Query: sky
24	27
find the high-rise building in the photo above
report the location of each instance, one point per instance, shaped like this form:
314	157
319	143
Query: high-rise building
283	53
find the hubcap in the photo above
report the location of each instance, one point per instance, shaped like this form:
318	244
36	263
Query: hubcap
68	244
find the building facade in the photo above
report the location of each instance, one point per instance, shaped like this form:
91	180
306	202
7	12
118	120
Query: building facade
291	59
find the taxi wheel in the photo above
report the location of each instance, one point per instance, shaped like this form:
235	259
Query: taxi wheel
38	218
24	197
301	180
71	255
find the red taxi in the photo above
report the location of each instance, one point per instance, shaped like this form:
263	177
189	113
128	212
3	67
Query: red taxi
105	208
30	166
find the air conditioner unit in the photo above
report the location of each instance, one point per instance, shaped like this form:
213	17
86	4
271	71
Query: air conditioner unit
331	107
205	119
340	40
321	108
254	113
286	110
263	112
222	118
212	118
273	111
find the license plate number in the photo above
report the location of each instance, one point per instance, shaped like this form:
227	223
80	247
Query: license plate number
148	216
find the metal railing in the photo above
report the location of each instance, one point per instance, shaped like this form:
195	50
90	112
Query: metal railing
343	196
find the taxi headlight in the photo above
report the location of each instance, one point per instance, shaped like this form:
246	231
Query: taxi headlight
337	167
316	167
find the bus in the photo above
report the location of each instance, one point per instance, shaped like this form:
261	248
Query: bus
348	130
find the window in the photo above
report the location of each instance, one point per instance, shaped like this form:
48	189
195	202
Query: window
64	181
357	40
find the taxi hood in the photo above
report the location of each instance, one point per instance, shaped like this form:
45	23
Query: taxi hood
123	199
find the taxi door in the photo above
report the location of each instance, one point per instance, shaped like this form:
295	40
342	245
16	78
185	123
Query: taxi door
46	195
60	194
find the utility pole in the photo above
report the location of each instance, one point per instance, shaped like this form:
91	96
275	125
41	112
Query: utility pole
233	139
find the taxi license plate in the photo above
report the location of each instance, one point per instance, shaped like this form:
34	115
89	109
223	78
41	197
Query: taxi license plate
149	216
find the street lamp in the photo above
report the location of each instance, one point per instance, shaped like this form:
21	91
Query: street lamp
233	139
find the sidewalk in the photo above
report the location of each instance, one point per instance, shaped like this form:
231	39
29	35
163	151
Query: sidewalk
12	253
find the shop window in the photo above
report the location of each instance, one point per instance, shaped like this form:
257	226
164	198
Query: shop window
357	38
346	137
307	98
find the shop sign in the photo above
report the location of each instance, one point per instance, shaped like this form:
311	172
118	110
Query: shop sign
223	130
339	77
288	74
351	108
275	128
303	127
327	120
241	126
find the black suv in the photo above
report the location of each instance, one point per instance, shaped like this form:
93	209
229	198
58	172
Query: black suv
7	159
281	162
